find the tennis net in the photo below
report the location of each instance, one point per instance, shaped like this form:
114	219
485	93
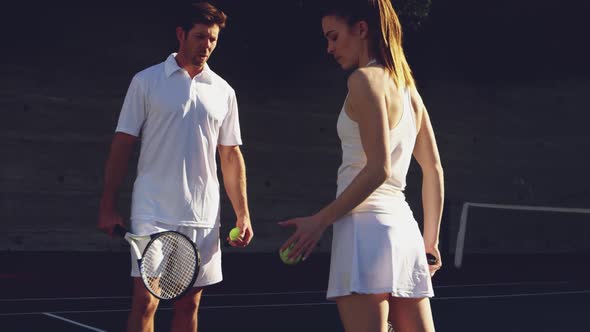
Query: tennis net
517	229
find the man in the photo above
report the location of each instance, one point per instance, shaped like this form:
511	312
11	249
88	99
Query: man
183	112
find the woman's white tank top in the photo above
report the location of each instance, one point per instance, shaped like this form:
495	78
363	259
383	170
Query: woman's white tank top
402	138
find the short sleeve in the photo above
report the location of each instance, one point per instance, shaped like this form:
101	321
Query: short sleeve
230	134
133	112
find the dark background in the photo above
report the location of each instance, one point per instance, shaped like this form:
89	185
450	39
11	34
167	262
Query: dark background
505	83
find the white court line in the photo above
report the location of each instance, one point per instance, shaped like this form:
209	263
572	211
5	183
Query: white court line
90	298
65	298
476	297
502	284
263	294
73	322
529	208
169	308
128	297
265	305
507	296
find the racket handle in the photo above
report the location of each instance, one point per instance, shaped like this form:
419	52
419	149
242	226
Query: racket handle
431	259
119	230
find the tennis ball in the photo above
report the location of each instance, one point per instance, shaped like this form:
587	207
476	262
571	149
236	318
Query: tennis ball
285	256
234	234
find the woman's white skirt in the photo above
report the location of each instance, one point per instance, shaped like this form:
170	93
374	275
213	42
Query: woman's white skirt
376	253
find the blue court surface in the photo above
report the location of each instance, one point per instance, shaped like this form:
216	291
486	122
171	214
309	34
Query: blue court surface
91	292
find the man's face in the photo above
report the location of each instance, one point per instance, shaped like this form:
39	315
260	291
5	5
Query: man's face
197	44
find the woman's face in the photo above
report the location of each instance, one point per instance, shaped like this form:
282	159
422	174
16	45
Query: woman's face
344	42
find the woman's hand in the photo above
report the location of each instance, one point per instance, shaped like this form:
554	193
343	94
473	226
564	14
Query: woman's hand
308	231
433	250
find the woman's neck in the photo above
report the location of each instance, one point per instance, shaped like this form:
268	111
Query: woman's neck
367	58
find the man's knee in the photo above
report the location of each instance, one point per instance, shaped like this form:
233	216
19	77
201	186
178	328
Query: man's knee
189	303
186	308
145	303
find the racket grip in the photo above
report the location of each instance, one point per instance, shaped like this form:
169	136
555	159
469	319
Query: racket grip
431	259
119	230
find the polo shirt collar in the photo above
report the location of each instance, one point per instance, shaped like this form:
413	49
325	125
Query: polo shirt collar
171	66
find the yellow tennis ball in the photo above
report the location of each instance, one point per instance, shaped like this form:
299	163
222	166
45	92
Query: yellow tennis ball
234	234
285	256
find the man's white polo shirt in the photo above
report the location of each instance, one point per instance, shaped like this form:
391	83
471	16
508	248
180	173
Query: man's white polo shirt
181	121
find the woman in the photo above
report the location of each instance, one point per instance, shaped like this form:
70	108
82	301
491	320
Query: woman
378	268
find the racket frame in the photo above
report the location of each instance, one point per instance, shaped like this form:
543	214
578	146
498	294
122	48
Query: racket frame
132	238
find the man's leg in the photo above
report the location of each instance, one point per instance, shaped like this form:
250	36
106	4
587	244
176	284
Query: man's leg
143	309
186	307
185	311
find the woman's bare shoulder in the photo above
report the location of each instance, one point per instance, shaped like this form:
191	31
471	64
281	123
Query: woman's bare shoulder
374	79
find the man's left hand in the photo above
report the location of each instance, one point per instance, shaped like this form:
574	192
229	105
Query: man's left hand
246	233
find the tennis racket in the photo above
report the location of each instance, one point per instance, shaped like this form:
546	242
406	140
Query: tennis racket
168	265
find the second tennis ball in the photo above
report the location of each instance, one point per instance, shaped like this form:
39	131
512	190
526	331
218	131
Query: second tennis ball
285	256
234	234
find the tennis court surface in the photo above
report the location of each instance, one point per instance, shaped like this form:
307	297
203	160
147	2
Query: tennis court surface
90	292
506	268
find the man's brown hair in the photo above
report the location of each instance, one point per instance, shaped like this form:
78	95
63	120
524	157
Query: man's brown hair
200	13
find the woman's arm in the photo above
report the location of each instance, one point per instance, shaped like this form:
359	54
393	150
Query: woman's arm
427	156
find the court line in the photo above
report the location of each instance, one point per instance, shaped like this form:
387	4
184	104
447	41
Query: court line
476	297
128	297
170	308
265	305
529	207
501	284
524	283
73	322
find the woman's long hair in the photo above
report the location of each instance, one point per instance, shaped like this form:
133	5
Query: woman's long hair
385	33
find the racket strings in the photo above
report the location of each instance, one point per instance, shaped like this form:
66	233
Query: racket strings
168	265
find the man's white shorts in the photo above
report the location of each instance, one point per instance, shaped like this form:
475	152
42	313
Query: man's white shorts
207	240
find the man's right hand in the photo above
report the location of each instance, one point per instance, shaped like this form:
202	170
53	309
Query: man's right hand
107	219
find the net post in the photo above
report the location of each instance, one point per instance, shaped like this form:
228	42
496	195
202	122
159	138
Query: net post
461	235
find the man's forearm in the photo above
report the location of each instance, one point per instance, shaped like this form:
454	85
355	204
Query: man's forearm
116	169
234	179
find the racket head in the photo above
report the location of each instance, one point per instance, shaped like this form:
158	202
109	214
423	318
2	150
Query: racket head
169	265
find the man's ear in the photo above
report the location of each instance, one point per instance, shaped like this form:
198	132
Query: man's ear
180	34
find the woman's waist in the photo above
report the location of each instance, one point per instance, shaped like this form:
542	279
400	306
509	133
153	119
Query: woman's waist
383	199
395	205
393	186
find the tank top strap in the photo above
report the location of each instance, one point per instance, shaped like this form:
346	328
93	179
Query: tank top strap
409	108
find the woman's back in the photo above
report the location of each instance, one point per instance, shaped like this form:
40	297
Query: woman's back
401	119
